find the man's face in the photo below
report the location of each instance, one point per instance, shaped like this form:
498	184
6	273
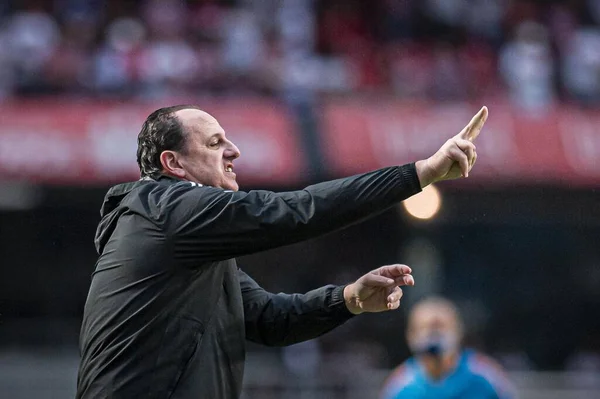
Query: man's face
433	327
209	155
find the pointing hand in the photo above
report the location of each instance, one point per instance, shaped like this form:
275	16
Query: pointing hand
456	157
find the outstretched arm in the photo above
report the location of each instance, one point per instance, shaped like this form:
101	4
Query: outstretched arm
286	319
212	224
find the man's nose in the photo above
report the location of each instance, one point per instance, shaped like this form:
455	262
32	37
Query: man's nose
232	151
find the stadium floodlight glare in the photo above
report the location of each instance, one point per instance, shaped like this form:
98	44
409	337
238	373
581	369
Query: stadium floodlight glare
424	205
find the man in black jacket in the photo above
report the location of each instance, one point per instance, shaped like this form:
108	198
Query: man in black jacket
168	309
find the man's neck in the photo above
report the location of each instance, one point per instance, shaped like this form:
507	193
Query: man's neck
438	367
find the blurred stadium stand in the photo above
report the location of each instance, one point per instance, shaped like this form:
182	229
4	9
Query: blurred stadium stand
314	89
537	52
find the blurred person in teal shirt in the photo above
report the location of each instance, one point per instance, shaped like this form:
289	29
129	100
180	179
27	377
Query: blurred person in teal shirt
440	368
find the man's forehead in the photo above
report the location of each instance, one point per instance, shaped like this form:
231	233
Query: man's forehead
195	118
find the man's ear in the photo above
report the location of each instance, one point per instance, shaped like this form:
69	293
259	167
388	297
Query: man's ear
171	165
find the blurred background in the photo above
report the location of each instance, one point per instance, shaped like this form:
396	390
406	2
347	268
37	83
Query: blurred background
312	90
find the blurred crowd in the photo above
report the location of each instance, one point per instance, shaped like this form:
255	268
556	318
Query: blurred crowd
535	52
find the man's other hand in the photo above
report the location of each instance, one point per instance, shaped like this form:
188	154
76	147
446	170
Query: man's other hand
456	157
378	290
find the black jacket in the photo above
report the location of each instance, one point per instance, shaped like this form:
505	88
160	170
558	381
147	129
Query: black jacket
168	310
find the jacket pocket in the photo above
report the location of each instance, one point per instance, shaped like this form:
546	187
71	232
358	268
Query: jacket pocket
180	342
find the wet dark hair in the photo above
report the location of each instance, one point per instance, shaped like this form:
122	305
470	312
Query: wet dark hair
161	131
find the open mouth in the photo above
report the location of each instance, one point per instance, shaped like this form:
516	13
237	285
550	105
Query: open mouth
229	168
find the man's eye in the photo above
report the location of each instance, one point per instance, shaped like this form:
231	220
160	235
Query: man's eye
215	143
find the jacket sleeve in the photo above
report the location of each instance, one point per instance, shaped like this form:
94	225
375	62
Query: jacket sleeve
212	224
286	319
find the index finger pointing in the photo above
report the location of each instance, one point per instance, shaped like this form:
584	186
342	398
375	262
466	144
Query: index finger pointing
472	130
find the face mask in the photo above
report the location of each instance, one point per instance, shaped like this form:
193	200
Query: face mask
436	344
